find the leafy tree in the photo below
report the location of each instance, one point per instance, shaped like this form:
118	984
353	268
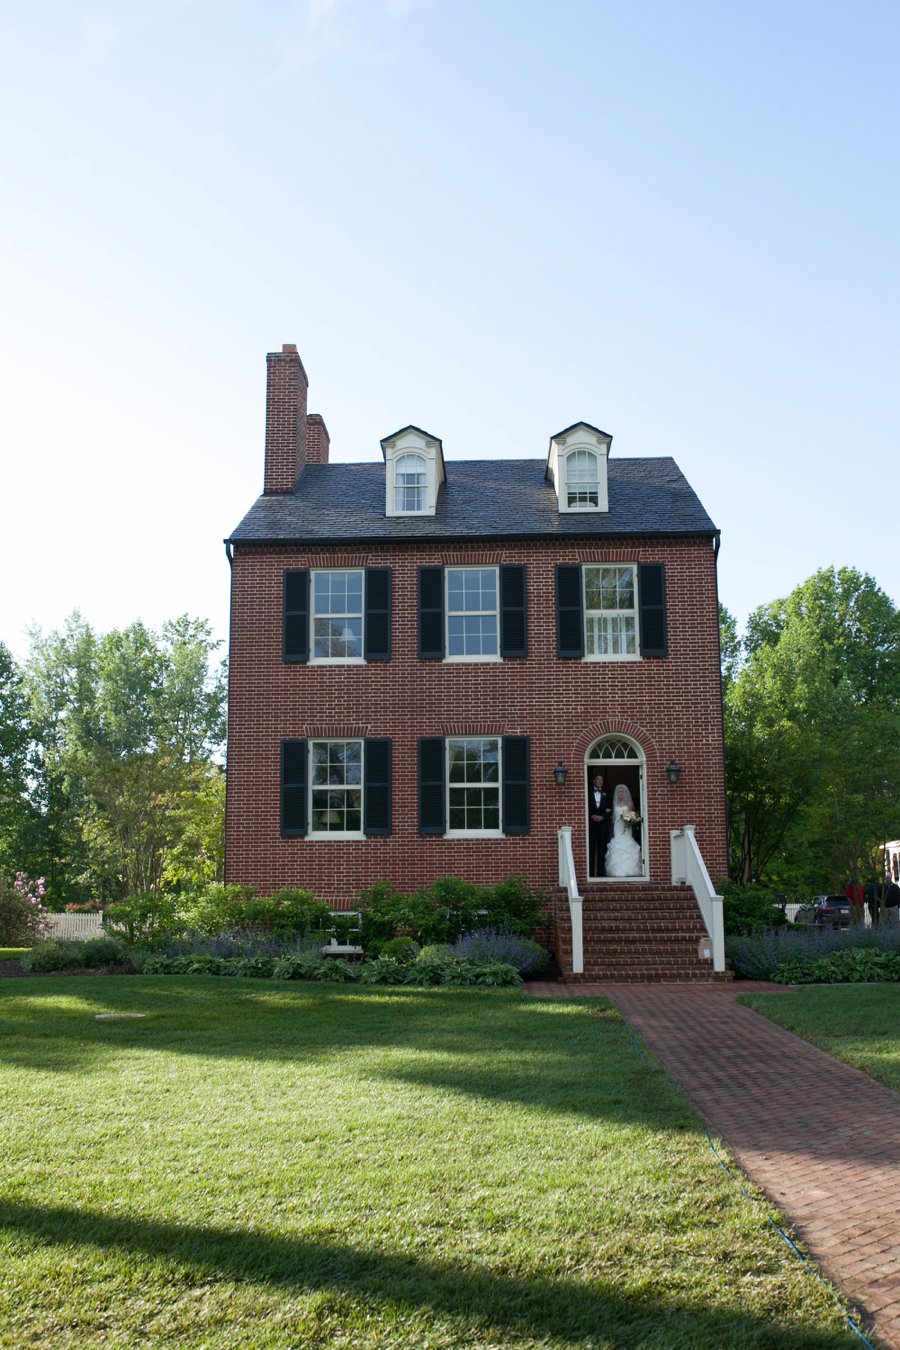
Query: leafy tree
126	727
14	744
812	720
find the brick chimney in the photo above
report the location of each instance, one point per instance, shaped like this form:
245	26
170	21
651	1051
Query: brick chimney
286	390
317	439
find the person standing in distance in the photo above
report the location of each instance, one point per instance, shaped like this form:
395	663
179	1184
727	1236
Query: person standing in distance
599	816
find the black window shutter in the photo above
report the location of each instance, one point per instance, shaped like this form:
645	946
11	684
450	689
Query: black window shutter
516	785
377	791
293	788
296	615
431	785
569	612
378	614
431	613
652	600
513	625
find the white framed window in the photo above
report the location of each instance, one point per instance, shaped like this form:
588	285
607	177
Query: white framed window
337	604
473	785
472	610
582	481
610	612
410	482
336	788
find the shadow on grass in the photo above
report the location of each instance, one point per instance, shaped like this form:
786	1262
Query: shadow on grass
583	1311
569	1057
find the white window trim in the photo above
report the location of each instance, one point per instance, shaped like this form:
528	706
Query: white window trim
473	834
393	466
579	437
412	442
480	658
336	835
611	656
571	508
334	660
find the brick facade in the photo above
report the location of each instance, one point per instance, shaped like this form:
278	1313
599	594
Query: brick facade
671	707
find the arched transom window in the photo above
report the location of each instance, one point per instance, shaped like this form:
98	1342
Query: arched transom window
409	483
582	480
614	748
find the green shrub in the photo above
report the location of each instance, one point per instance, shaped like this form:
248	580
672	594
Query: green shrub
98	953
215	909
853	965
400	949
287	911
749	909
143	920
440	913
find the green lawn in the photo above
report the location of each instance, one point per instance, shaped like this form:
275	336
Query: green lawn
312	1166
12	953
858	1023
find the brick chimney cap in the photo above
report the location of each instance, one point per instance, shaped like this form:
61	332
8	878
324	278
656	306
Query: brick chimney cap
289	346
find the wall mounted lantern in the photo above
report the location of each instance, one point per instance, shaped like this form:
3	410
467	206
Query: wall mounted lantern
560	773
673	772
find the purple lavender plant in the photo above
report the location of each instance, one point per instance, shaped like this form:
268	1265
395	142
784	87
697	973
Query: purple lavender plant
499	944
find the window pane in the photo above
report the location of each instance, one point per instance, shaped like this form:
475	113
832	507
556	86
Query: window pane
409	483
610	622
472	612
474	784
337	624
336	778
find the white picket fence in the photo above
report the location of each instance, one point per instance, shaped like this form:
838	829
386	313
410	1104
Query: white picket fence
75	927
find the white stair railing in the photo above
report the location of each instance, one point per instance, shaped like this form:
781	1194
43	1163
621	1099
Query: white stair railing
568	879
688	868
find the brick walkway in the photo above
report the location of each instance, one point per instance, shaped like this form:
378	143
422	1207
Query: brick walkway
822	1139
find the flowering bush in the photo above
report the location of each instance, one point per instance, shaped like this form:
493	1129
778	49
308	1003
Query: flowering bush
24	918
499	944
783	953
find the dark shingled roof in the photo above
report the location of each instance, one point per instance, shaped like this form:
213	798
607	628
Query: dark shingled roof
498	499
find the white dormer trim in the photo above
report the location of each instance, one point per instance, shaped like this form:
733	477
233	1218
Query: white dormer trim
413	441
580	437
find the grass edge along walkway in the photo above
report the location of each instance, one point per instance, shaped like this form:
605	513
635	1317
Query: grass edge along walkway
312	1166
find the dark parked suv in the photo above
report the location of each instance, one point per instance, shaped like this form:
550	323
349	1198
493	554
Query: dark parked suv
825	911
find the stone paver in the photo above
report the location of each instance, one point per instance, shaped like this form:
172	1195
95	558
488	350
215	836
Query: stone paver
821	1138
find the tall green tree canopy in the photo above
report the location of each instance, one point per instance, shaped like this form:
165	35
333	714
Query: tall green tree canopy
124	732
812	714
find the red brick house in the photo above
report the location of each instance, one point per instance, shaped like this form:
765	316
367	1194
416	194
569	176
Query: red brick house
421	649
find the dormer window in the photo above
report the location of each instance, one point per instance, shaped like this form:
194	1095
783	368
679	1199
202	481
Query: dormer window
414	471
582	481
409	484
576	465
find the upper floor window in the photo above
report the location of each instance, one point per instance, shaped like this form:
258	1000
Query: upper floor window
472	626
610	611
473	613
337	615
409	483
582	481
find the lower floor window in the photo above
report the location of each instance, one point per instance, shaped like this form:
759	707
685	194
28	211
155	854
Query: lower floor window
473	773
336	787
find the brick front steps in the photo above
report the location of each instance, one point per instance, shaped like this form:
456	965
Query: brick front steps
641	933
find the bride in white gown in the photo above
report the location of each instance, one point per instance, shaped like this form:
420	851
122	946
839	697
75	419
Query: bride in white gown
623	856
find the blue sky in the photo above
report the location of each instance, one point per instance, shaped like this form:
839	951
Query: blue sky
678	221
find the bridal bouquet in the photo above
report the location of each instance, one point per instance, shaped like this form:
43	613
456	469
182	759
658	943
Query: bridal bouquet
632	818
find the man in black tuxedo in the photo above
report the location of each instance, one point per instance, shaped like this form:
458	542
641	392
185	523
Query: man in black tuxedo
599	817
